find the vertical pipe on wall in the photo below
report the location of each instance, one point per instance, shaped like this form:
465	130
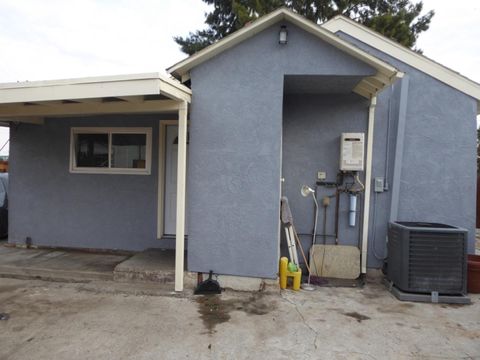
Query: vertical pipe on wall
181	180
352	209
398	158
368	180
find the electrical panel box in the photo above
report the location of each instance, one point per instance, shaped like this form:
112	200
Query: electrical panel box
352	147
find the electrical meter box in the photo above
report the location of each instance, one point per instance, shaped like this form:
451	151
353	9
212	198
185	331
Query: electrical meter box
352	148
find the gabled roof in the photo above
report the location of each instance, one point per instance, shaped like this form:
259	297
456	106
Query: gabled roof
386	73
404	54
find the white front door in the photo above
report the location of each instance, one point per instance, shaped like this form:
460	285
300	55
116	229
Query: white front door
171	156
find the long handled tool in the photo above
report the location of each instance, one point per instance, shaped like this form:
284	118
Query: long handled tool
293	239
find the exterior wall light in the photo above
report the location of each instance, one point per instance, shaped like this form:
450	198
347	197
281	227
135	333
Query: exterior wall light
282	35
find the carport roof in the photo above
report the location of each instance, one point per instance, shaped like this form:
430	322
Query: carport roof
132	93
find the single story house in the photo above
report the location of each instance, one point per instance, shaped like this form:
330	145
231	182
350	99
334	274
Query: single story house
200	160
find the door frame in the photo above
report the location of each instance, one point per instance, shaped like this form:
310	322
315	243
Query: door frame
162	149
161	175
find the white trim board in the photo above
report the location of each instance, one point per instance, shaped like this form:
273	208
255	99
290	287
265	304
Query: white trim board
161	175
401	53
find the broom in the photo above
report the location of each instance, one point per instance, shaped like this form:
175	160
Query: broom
312	279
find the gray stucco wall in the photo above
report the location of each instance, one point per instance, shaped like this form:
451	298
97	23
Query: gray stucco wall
312	127
242	124
57	208
438	172
236	144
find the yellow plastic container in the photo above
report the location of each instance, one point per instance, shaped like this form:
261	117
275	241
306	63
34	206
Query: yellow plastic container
285	274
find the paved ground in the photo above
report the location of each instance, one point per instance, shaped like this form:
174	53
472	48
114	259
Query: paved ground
58	264
51	320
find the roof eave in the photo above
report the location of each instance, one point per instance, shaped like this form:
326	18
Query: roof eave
182	68
404	54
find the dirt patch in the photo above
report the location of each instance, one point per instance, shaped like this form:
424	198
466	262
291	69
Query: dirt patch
397	308
454	306
357	316
214	310
371	296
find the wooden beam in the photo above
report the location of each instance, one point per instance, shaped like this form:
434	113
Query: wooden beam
186	77
89	100
181	188
362	92
173	93
367	87
46	103
8	111
132	99
28	120
372	81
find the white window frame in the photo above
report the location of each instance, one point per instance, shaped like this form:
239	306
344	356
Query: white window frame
111	130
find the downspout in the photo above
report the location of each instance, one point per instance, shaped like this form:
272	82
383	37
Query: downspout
368	181
398	160
181	181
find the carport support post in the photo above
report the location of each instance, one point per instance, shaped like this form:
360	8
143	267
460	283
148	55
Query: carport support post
368	181
181	177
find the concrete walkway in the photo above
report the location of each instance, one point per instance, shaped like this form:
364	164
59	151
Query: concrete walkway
71	321
57	264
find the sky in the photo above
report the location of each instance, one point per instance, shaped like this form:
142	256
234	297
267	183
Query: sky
53	39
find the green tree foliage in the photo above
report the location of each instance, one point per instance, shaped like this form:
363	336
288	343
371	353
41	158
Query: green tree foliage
400	20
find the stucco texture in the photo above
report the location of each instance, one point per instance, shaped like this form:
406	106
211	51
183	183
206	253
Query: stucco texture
311	142
261	111
235	159
57	208
438	169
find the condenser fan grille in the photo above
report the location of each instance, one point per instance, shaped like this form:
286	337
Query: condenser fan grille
435	261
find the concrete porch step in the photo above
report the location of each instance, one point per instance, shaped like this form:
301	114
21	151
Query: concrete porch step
57	265
151	265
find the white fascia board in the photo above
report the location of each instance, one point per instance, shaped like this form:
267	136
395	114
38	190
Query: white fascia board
79	91
96	87
173	92
409	57
83	80
183	67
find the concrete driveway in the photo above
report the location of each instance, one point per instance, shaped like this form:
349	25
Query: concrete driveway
53	264
94	321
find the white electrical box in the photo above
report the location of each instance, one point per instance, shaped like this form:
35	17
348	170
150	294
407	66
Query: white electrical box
352	147
321	175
